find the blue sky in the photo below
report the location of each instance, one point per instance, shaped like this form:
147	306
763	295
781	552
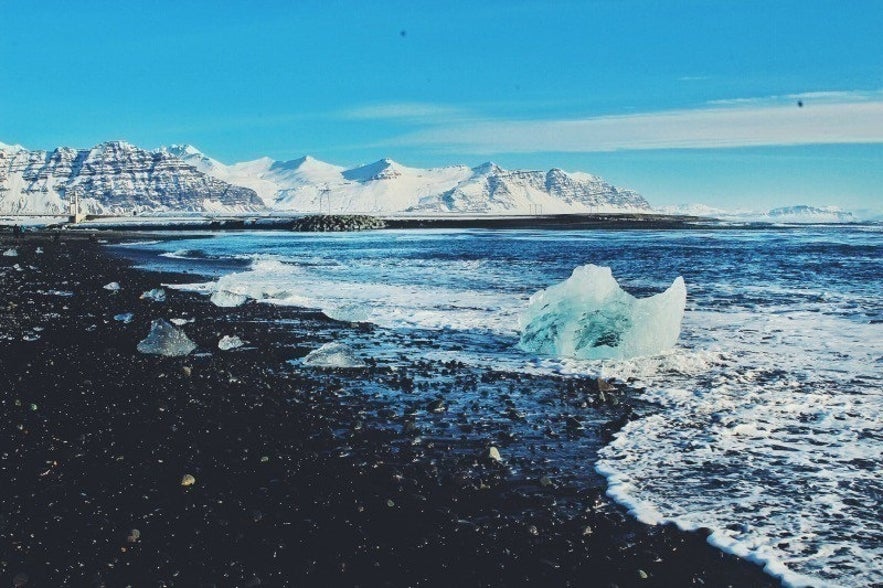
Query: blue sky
688	101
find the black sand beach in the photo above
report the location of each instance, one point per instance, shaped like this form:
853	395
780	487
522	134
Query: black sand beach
302	476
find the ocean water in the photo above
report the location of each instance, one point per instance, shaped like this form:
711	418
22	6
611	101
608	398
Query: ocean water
765	422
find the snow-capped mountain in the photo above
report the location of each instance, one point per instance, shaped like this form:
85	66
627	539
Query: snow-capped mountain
491	189
118	178
112	178
385	186
810	214
798	214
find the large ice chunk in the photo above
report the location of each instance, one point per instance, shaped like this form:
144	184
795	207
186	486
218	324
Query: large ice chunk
166	339
588	316
333	355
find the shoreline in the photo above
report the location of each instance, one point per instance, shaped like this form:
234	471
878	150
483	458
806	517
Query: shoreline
359	221
372	476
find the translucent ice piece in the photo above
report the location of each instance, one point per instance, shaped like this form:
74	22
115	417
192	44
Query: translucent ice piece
228	342
165	339
157	295
125	317
333	355
227	299
588	316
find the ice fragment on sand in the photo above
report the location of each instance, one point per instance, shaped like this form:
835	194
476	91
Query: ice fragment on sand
11	252
588	316
165	339
333	355
114	286
228	299
352	313
228	342
125	317
157	295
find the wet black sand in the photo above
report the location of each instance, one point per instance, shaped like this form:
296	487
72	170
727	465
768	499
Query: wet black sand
303	477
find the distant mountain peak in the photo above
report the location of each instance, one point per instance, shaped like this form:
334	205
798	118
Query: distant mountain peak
116	145
182	150
382	169
488	167
11	148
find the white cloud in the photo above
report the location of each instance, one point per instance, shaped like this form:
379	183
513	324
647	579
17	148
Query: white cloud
824	118
409	111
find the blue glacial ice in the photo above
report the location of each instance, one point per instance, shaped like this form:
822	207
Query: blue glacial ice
588	316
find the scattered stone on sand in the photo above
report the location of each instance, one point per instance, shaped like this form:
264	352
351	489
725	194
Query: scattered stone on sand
437	406
180	322
112	286
125	317
134	536
188	480
165	339
493	454
11	252
229	342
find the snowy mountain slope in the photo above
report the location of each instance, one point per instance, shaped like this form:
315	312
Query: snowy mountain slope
380	187
491	189
385	186
112	178
265	176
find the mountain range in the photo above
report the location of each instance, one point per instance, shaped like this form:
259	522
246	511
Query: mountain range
116	177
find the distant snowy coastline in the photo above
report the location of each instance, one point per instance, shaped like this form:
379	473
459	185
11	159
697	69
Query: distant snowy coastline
797	214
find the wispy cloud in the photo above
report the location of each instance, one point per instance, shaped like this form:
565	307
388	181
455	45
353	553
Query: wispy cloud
816	98
415	112
824	118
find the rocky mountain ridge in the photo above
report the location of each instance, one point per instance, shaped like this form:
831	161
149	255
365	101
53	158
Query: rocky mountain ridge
112	178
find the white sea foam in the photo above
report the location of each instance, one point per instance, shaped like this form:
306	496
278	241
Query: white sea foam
769	435
383	303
